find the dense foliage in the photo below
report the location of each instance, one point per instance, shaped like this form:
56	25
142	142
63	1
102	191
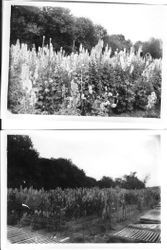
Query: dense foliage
153	46
26	168
29	24
21	160
88	84
50	209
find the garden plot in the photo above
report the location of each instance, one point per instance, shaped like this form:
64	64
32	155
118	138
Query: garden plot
83	83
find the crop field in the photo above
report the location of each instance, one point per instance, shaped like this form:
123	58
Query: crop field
53	209
84	83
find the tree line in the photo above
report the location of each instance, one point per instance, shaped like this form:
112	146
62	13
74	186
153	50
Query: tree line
26	168
39	26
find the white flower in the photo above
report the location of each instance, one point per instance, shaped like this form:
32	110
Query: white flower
50	80
83	97
46	90
113	105
151	100
131	68
102	106
70	98
107	103
110	94
27	84
90	89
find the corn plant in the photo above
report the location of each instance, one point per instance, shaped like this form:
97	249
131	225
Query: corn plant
50	209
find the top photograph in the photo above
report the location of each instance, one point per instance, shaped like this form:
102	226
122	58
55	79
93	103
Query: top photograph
85	59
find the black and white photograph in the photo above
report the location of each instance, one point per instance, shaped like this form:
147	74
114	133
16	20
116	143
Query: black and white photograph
83	187
85	59
84	124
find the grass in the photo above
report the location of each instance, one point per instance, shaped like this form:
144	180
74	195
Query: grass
90	229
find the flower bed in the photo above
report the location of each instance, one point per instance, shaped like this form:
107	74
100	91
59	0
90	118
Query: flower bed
82	84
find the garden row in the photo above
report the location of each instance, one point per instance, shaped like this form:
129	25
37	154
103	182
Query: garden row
52	208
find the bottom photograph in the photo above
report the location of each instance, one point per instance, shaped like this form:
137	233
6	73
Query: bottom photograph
83	187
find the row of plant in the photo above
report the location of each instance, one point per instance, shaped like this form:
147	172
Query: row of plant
82	83
55	206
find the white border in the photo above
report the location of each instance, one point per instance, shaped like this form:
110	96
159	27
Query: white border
17	121
162	169
151	2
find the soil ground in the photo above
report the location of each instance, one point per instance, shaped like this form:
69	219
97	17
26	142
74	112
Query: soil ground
85	230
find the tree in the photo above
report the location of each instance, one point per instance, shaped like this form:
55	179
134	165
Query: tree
52	173
84	33
100	32
21	160
58	24
119	182
153	46
118	42
29	25
106	182
132	182
26	169
25	25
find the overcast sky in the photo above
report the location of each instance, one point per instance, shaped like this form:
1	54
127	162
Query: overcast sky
99	153
136	22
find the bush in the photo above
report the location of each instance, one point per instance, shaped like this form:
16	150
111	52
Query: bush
142	90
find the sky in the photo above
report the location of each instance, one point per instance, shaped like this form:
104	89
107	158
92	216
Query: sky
136	22
104	153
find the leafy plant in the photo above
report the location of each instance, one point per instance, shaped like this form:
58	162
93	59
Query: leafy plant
86	83
50	209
